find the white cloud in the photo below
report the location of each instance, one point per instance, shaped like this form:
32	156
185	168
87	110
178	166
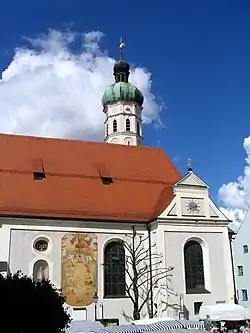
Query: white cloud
51	90
235	196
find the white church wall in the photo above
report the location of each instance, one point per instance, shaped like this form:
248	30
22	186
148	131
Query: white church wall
169	237
217	266
4	242
22	256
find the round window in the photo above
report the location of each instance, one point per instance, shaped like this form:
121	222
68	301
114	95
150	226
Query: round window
41	245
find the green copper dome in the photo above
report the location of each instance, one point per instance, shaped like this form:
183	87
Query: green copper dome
122	91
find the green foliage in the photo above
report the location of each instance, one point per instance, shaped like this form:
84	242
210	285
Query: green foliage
29	307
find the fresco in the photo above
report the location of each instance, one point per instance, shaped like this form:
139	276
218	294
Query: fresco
79	268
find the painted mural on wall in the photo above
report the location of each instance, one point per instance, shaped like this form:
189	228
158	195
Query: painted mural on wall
79	268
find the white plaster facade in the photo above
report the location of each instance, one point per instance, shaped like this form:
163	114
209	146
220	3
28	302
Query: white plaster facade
173	228
123	113
241	250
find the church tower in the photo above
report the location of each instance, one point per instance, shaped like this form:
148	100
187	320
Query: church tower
122	105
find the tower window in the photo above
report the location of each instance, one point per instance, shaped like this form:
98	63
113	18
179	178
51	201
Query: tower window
107	129
114	126
127	125
138	128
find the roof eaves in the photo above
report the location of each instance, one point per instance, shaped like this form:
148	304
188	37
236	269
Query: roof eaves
71	218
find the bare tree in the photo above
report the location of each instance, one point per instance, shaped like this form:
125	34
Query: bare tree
144	269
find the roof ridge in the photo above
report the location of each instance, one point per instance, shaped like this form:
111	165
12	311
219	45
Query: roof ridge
41	138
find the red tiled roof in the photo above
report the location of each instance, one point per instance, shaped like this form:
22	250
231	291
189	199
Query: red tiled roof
73	188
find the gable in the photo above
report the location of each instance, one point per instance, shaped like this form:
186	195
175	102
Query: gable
173	211
215	212
192	203
208	211
190	179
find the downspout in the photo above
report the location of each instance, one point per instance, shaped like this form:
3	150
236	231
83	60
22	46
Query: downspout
150	273
232	263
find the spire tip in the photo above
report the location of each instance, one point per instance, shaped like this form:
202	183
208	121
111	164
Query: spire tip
190	165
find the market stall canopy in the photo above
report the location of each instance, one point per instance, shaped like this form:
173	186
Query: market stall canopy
181	330
147	321
83	326
219	312
154	327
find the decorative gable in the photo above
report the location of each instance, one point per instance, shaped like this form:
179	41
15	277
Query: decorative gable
190	179
173	211
212	212
192	202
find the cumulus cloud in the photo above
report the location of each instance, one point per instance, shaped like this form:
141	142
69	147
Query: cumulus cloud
53	87
235	196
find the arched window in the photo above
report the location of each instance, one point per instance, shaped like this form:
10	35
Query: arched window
194	269
114	270
114	126
40	271
127	141
127	125
138	128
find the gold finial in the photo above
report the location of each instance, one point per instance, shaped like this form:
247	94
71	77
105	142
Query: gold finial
189	164
121	46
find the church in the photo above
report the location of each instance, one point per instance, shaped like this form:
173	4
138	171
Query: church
66	205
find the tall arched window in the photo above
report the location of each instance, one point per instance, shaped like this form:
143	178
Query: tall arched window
114	125
194	269
127	125
114	270
40	271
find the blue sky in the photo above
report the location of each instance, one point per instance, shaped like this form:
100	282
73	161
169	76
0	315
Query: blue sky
198	53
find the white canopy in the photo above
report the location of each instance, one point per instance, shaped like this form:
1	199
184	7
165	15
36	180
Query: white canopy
220	312
147	321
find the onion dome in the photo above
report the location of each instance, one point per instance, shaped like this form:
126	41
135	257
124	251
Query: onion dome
122	90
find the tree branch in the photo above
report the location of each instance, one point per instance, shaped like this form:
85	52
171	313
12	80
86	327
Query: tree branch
145	300
158	276
130	295
139	272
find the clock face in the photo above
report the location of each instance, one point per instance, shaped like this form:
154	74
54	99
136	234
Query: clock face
192	206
